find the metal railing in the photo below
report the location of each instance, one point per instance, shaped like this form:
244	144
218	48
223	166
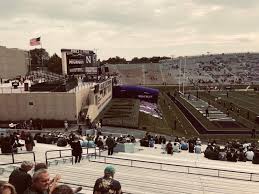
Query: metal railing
13	157
69	156
179	168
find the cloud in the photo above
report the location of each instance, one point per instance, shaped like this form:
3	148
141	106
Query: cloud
132	27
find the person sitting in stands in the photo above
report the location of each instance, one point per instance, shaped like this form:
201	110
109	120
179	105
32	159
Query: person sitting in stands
99	143
151	142
20	178
41	183
169	148
256	157
249	154
184	145
40	166
198	141
191	147
232	156
222	155
156	139
132	139
246	146
241	155
177	139
64	189
6	188
107	184
160	139
208	151
197	149
128	139
176	147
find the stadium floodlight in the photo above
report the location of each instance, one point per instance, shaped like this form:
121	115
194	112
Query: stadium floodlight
180	73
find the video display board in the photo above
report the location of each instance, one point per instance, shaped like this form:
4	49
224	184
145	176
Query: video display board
79	62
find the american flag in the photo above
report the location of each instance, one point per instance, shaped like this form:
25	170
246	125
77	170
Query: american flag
35	41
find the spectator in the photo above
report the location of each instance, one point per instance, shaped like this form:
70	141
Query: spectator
76	149
100	143
241	155
20	178
41	183
253	133
177	147
107	184
110	143
29	142
249	154
151	142
198	141
232	156
169	148
64	189
256	157
197	149
184	145
6	188
177	139
40	166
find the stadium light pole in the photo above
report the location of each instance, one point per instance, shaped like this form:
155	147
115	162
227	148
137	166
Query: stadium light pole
184	73
180	64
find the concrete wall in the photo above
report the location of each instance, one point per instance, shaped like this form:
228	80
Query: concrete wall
98	101
23	106
82	98
13	62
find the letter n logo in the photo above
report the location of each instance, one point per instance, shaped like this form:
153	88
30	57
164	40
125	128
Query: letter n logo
87	59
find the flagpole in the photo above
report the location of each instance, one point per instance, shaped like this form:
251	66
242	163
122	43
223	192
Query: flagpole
41	55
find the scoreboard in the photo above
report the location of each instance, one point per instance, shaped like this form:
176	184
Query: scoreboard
76	62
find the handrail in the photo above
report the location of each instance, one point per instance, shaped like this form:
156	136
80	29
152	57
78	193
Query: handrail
13	158
180	165
68	156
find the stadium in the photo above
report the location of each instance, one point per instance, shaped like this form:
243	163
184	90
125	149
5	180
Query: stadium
182	125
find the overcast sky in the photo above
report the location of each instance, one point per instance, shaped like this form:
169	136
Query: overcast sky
129	28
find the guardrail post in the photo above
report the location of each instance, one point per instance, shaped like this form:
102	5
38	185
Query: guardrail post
13	157
251	176
46	156
218	173
131	163
34	158
160	166
105	159
60	153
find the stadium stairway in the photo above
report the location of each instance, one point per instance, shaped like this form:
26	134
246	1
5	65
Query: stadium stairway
121	112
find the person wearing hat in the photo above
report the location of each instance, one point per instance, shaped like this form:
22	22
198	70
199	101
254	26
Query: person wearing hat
107	184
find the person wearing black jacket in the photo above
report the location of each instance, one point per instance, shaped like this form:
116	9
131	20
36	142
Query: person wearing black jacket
76	149
110	144
20	179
